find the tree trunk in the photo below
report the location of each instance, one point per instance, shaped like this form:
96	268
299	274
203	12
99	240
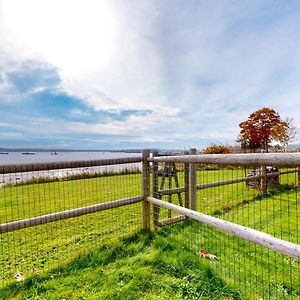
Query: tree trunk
266	146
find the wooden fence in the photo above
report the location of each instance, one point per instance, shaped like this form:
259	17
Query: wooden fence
150	166
191	187
67	214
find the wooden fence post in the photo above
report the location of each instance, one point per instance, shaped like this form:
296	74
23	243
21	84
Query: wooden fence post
193	183
263	180
156	208
186	183
146	190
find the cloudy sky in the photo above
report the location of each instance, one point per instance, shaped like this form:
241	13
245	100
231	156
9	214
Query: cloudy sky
92	74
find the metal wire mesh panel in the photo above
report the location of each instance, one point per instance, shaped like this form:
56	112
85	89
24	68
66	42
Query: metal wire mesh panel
253	271
50	197
264	198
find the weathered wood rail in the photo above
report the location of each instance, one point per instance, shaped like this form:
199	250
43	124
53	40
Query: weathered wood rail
30	167
253	159
67	214
225	182
249	234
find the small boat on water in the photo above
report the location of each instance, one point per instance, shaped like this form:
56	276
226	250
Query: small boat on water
4	153
53	153
28	153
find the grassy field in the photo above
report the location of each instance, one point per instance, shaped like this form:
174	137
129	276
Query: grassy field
140	267
104	255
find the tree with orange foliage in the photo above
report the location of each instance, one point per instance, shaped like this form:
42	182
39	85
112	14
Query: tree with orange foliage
262	127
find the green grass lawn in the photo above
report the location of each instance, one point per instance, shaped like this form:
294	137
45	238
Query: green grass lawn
140	267
102	255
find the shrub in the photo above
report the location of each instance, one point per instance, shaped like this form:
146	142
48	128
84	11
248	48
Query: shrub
218	149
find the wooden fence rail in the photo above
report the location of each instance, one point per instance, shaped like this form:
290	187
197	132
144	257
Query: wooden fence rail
253	159
76	212
225	182
30	167
252	235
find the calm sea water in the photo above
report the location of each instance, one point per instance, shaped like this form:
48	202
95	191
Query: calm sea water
41	157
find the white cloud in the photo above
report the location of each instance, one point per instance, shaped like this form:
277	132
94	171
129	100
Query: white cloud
214	63
156	125
19	80
104	51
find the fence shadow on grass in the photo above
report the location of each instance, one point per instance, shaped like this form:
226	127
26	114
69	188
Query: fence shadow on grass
252	270
143	265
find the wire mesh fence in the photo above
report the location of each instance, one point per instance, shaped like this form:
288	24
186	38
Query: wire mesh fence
51	194
264	198
83	206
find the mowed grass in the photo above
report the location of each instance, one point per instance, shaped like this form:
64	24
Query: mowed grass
144	266
50	256
24	201
46	246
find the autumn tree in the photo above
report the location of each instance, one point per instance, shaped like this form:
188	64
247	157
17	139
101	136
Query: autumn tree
262	127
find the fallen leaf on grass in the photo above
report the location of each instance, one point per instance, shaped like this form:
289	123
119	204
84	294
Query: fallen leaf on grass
18	276
204	253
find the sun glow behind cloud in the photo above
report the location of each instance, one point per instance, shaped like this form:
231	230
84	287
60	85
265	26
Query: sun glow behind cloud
76	36
105	53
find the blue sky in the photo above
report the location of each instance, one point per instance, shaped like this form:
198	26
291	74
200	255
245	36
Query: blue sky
92	74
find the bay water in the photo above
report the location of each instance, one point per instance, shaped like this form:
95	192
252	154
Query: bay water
15	158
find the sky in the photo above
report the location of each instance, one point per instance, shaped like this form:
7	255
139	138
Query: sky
93	74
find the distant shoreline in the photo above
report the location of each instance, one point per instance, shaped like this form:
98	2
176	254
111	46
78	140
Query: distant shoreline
68	150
